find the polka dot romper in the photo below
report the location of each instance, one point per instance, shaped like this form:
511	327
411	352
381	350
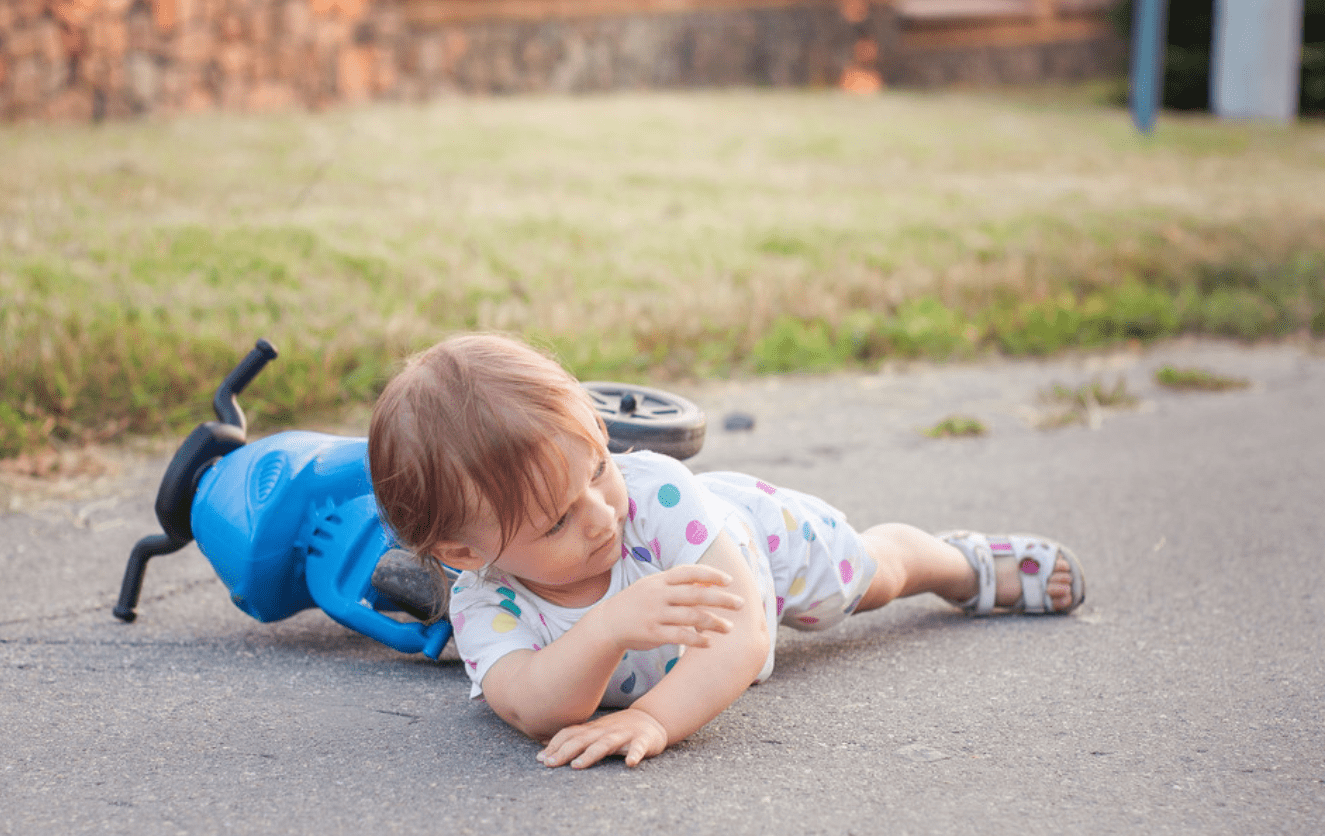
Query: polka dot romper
811	567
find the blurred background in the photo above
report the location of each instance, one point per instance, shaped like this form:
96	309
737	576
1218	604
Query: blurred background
654	189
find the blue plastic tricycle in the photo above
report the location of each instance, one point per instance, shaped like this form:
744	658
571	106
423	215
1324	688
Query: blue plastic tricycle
289	522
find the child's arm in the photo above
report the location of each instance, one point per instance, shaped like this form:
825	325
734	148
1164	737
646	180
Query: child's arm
699	687
541	692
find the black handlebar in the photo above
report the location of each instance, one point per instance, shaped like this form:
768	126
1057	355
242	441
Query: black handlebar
174	499
224	404
143	551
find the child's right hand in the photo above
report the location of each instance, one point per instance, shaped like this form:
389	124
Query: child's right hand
672	607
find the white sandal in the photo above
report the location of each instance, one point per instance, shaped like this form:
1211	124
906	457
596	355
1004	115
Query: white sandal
1035	556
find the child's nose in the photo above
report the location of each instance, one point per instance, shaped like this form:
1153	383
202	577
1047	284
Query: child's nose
602	515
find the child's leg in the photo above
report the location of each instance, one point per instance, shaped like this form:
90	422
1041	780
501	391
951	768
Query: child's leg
911	561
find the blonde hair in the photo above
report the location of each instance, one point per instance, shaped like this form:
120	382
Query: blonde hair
467	427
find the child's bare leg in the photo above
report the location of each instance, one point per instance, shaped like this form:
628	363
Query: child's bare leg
911	561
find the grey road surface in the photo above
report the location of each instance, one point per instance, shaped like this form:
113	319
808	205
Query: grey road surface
1186	696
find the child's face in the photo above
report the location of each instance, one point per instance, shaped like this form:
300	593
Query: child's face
566	557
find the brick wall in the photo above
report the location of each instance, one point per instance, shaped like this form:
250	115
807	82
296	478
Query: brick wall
92	59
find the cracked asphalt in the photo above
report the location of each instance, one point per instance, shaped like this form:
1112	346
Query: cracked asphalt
1185	696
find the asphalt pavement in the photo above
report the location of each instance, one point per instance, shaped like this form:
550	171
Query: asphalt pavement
1185	696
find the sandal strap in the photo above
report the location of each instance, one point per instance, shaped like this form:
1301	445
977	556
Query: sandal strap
978	553
1034	568
1031	571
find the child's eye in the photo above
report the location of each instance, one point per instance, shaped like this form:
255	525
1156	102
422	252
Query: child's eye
560	524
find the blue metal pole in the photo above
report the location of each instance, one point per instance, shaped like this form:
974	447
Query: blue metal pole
1148	42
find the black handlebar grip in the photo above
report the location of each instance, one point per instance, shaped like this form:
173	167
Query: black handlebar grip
224	404
144	550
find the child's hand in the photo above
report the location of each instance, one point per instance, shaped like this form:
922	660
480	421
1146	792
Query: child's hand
628	732
671	607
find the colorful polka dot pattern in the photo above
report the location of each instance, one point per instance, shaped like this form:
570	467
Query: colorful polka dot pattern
696	533
669	495
851	570
509	618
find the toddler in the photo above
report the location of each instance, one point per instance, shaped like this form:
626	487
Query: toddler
591	580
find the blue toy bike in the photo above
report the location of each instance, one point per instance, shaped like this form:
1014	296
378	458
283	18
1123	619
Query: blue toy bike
289	522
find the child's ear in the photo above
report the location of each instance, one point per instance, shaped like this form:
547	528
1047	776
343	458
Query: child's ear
458	556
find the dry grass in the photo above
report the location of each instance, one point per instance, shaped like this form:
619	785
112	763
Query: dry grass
638	234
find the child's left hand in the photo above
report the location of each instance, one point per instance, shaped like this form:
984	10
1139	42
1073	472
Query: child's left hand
630	732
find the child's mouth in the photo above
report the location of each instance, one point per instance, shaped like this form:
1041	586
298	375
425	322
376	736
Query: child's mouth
598	550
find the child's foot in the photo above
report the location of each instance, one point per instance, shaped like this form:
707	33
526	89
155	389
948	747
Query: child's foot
1020	573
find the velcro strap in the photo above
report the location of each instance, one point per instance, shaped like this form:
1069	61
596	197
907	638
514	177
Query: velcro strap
1035	567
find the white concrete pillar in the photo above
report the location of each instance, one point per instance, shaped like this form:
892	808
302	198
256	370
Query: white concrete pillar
1256	57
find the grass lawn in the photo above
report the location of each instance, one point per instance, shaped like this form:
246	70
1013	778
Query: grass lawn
641	235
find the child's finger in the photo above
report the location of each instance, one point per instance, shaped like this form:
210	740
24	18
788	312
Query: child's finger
688	636
700	635
562	747
697	573
638	749
719	625
704	621
705	596
594	752
699	620
585	748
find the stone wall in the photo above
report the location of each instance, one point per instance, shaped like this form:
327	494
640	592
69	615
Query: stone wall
803	44
94	59
1101	56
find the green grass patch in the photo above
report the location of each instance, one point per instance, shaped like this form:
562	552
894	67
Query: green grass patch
1202	380
957	426
794	231
1094	393
1082	404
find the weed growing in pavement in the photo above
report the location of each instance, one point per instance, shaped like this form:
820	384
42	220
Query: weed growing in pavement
1198	380
1084	404
957	426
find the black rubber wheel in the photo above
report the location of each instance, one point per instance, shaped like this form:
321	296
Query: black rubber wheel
641	418
409	586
